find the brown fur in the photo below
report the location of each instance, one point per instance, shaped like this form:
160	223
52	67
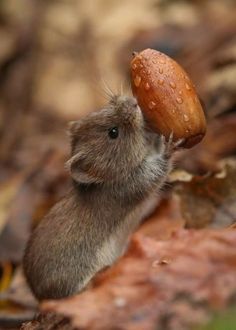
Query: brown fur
114	181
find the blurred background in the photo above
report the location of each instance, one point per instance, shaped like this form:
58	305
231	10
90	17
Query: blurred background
55	59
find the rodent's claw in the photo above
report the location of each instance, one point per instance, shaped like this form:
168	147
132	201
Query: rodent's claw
179	143
170	146
171	137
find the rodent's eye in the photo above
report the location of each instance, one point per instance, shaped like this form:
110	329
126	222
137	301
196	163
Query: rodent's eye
113	132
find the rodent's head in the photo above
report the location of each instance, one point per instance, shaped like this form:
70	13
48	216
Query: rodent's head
108	144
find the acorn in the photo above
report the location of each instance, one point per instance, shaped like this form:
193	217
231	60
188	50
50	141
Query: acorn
167	97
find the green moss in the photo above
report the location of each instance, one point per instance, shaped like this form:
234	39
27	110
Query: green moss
222	321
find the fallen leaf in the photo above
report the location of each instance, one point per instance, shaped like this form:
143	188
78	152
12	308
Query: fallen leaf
165	220
219	143
209	200
136	294
19	292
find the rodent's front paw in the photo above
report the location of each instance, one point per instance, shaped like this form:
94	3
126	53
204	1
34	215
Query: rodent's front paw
169	146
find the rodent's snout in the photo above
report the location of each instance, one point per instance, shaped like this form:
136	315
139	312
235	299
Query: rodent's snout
133	102
135	109
137	112
130	110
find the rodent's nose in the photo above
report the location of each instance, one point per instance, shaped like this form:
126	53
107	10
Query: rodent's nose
133	105
135	102
134	113
129	108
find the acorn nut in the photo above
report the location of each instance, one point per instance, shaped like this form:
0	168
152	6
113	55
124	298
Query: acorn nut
167	97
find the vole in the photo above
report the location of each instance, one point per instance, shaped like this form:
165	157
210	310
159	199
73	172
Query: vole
117	168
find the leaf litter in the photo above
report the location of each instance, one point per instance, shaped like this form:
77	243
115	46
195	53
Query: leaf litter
179	270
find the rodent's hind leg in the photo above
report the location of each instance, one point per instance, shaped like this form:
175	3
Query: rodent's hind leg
85	284
88	282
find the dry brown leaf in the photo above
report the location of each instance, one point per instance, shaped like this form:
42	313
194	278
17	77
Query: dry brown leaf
19	293
143	292
219	142
165	220
27	196
50	70
209	200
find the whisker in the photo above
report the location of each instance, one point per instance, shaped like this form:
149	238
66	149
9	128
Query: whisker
107	90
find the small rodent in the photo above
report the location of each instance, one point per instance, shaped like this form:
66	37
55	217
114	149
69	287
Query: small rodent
117	168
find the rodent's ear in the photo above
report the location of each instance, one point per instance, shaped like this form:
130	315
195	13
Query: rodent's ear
75	166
